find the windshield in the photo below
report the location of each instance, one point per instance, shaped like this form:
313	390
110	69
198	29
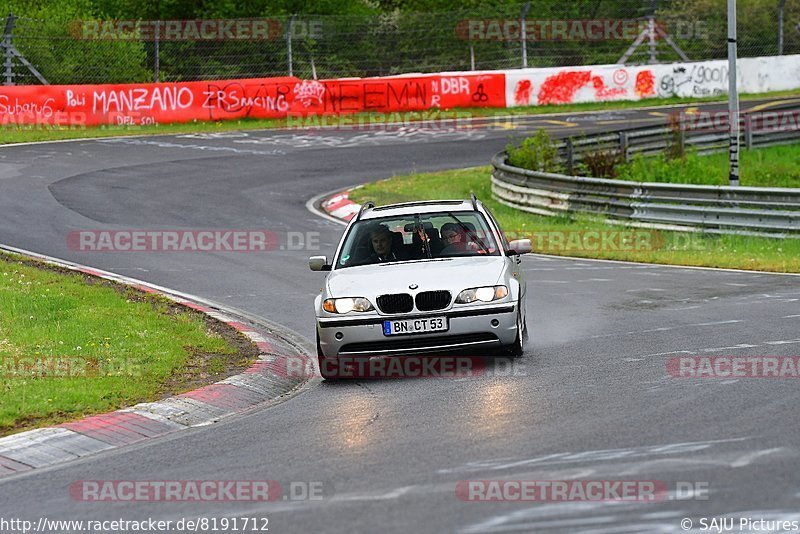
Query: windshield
417	236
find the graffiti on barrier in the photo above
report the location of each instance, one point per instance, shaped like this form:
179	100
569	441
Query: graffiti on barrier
243	99
562	88
281	97
601	92
105	101
620	76
645	84
522	93
309	91
694	80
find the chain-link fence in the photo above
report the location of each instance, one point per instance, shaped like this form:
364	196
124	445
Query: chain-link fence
579	32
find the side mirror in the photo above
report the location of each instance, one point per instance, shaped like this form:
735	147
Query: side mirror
520	246
318	263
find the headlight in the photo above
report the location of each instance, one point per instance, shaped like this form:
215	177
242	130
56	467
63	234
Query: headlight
483	294
346	305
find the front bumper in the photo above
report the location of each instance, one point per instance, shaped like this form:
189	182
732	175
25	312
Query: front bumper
470	328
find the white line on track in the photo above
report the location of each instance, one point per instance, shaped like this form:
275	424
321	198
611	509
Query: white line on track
735	347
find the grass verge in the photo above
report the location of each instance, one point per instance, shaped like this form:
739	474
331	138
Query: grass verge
575	235
72	345
777	166
26	134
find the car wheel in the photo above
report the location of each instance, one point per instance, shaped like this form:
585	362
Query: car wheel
325	367
518	348
525	337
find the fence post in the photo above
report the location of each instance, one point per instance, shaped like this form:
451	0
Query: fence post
8	55
683	141
623	145
523	34
748	132
570	156
289	30
681	148
781	8
157	52
472	56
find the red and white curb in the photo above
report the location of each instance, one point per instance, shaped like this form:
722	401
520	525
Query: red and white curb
340	206
262	382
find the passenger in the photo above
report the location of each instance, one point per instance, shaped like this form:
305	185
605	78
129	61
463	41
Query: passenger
455	239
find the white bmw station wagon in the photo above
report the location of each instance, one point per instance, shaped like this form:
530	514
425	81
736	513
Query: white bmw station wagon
421	278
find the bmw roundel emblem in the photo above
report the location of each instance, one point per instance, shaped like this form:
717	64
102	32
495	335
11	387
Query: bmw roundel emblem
413	286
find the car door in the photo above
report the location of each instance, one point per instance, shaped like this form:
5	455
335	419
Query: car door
513	262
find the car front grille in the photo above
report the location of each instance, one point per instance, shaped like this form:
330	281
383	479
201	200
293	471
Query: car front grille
375	347
433	300
396	303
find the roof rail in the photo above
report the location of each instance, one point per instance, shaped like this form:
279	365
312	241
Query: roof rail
474	200
366	205
417	203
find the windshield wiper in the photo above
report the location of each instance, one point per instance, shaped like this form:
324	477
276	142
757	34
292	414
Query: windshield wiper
470	232
423	235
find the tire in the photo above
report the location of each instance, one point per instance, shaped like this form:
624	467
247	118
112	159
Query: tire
323	364
518	347
525	336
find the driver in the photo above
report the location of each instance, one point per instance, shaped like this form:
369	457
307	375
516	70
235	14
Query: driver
381	239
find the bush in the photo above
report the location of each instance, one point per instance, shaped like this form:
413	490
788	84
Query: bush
676	142
537	153
603	163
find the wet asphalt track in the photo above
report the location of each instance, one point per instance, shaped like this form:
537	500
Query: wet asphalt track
590	399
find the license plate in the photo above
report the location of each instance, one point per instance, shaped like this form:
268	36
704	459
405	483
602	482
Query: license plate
414	326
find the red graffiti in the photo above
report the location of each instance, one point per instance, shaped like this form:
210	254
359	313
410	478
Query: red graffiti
561	88
602	92
620	76
147	103
522	94
645	84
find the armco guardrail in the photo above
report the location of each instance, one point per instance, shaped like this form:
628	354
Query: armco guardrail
702	132
717	209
